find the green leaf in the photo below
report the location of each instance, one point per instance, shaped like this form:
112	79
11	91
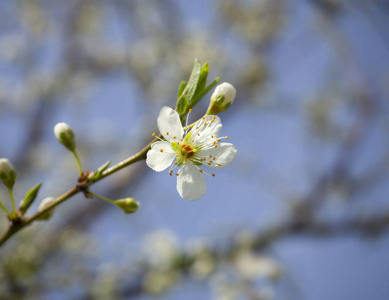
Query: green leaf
200	95
181	88
29	198
203	78
191	86
181	105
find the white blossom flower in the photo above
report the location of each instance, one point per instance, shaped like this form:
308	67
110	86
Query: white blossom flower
189	150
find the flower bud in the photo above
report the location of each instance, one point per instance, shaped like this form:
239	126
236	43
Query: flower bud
29	198
65	135
44	204
222	98
128	205
7	173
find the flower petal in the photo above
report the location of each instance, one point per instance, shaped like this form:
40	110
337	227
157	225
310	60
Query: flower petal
169	124
225	154
157	160
204	133
191	183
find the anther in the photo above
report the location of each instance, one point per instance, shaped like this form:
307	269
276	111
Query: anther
197	127
201	171
211	136
227	137
203	118
215	146
214	157
213	175
153	134
205	124
194	150
213	117
212	120
198	134
209	164
167	132
184	162
219	165
177	174
174	137
161	150
210	156
175	162
190	110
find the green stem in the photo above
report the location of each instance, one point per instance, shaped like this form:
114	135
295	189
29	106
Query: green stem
11	193
13	228
78	161
102	198
3	208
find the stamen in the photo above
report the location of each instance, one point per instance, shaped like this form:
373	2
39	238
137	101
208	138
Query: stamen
210	156
205	124
153	134
177	174
211	136
213	175
161	150
201	171
227	137
219	165
215	146
174	137
213	117
214	157
203	118
167	132
212	120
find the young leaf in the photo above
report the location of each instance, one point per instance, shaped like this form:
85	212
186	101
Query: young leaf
191	86
29	198
181	88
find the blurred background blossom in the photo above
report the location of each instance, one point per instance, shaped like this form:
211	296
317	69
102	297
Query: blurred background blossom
301	214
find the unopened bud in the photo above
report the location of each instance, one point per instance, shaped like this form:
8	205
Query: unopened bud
222	98
65	135
45	204
128	205
29	198
7	173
